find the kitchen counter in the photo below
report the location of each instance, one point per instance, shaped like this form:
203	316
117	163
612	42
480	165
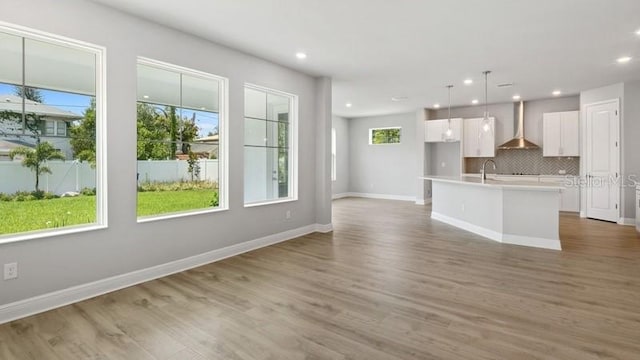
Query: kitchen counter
497	182
509	211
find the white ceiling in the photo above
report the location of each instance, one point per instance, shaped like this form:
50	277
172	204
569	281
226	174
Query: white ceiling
377	49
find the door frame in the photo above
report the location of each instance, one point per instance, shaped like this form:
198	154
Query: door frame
584	153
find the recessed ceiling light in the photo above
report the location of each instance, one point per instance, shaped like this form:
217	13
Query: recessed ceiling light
399	98
145	96
203	108
436	106
468	81
516	97
638	32
474	101
301	55
624	59
348	104
556	92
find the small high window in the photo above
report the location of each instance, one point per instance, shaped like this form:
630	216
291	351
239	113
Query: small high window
388	135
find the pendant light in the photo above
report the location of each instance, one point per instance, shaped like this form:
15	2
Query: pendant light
449	132
486	123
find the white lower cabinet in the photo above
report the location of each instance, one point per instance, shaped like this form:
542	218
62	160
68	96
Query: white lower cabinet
570	196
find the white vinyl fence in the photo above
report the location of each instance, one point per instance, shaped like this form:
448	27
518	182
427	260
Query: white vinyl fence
74	176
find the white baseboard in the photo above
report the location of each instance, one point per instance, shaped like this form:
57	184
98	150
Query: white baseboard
553	244
381	196
340	196
324	228
45	302
423	201
627	221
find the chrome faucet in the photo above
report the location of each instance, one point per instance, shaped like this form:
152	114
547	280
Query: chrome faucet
484	173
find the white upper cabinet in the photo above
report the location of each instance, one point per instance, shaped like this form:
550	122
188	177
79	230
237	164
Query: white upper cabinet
436	130
561	133
477	142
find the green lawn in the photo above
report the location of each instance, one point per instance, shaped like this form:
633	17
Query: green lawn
20	216
162	202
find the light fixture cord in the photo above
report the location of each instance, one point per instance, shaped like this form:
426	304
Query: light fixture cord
449	87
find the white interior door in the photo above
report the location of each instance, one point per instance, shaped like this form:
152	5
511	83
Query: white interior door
603	160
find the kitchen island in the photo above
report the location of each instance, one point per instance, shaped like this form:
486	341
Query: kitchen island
512	212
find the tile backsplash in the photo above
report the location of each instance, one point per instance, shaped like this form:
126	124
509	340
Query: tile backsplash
526	162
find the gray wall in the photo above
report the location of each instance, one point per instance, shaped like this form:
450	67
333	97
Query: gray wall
444	158
59	262
341	185
383	169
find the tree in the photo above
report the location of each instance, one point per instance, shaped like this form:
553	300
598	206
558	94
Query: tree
35	159
83	136
194	166
188	133
28	93
173	130
386	136
153	133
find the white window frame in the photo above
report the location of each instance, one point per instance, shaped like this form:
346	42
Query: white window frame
293	146
100	53
223	143
384	128
334	155
56	124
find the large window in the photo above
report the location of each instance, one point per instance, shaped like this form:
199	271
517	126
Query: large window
180	122
51	128
270	139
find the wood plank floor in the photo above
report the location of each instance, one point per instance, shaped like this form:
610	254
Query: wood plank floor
388	283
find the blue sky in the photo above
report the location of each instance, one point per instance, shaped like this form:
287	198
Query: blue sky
66	101
206	121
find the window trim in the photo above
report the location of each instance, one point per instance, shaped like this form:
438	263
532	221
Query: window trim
100	53
292	148
384	128
223	137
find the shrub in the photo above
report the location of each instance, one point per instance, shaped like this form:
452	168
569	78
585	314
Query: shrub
28	196
177	185
216	200
88	191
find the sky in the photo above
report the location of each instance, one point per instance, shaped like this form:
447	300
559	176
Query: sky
206	121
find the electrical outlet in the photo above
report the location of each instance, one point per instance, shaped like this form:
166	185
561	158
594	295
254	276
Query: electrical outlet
10	271
287	215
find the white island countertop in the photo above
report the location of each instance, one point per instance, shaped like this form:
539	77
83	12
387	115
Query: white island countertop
500	184
508	211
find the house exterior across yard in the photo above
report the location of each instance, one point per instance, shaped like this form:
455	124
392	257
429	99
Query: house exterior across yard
52	125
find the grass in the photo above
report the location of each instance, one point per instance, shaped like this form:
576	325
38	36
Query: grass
21	216
162	202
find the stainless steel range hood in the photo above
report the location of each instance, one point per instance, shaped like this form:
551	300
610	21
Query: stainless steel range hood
518	142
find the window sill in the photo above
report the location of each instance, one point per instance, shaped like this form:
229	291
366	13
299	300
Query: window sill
269	202
39	234
152	218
